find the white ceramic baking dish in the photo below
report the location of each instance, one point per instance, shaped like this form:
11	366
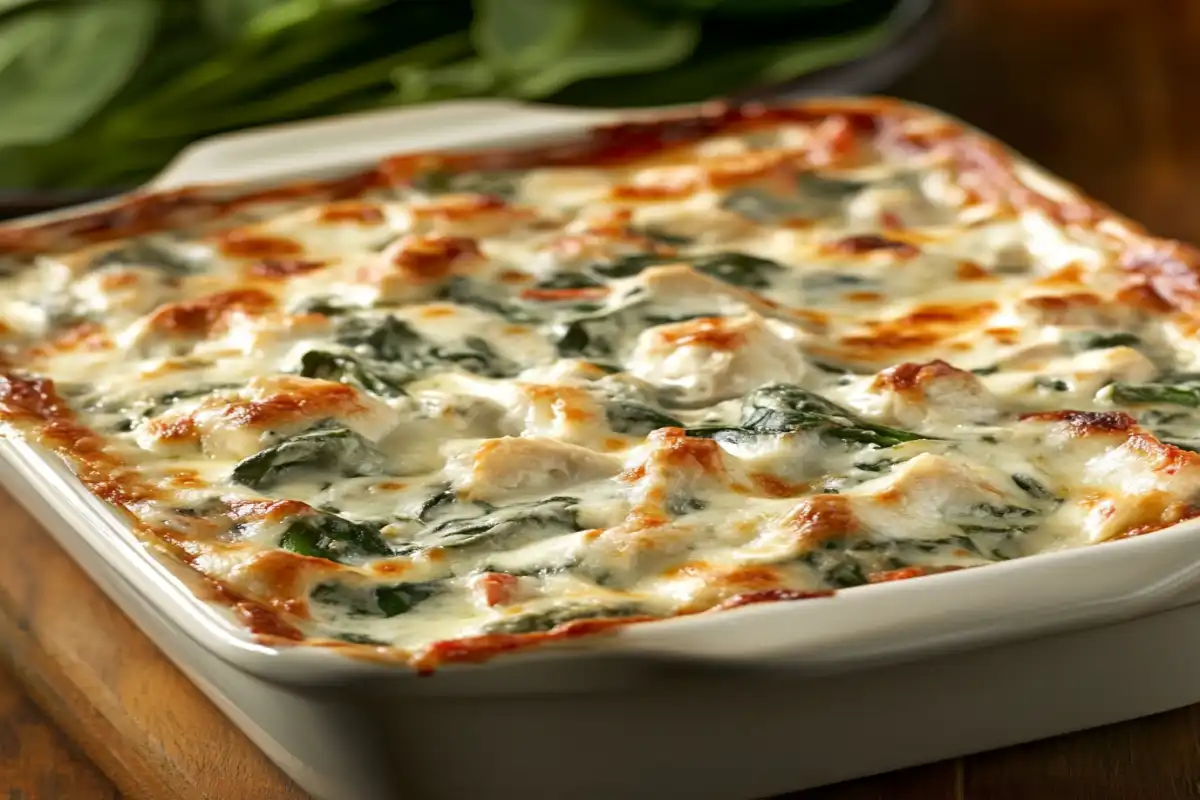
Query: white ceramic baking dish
747	703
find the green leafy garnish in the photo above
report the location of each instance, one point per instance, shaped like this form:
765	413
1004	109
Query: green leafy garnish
103	93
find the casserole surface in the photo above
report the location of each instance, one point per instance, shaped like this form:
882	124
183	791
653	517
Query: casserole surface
463	403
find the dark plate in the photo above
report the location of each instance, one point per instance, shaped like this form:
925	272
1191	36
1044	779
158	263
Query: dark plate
918	21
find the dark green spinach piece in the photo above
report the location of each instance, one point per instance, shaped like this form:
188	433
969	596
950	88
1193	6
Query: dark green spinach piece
500	183
379	601
466	292
326	306
550	516
785	408
591	337
334	538
661	236
1051	384
1182	389
387	339
739	269
399	347
637	419
736	269
147	252
328	450
568	280
765	207
476	356
1101	341
1033	487
377	377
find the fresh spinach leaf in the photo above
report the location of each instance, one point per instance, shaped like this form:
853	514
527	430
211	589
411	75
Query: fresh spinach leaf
545	45
61	62
335	450
230	18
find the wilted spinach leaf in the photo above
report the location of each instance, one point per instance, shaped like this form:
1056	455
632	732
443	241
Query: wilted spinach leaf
477	356
738	269
336	451
594	336
396	346
376	601
637	419
552	515
501	183
1181	390
1101	341
333	538
377	377
147	252
466	292
784	408
627	266
387	339
1033	487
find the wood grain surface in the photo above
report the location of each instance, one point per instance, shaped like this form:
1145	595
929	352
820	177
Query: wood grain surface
1103	92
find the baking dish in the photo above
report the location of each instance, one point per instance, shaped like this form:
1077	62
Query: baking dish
1045	635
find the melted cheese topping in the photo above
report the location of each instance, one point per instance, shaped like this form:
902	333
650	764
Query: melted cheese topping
501	402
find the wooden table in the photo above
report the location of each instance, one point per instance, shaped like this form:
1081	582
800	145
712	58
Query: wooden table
1103	92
